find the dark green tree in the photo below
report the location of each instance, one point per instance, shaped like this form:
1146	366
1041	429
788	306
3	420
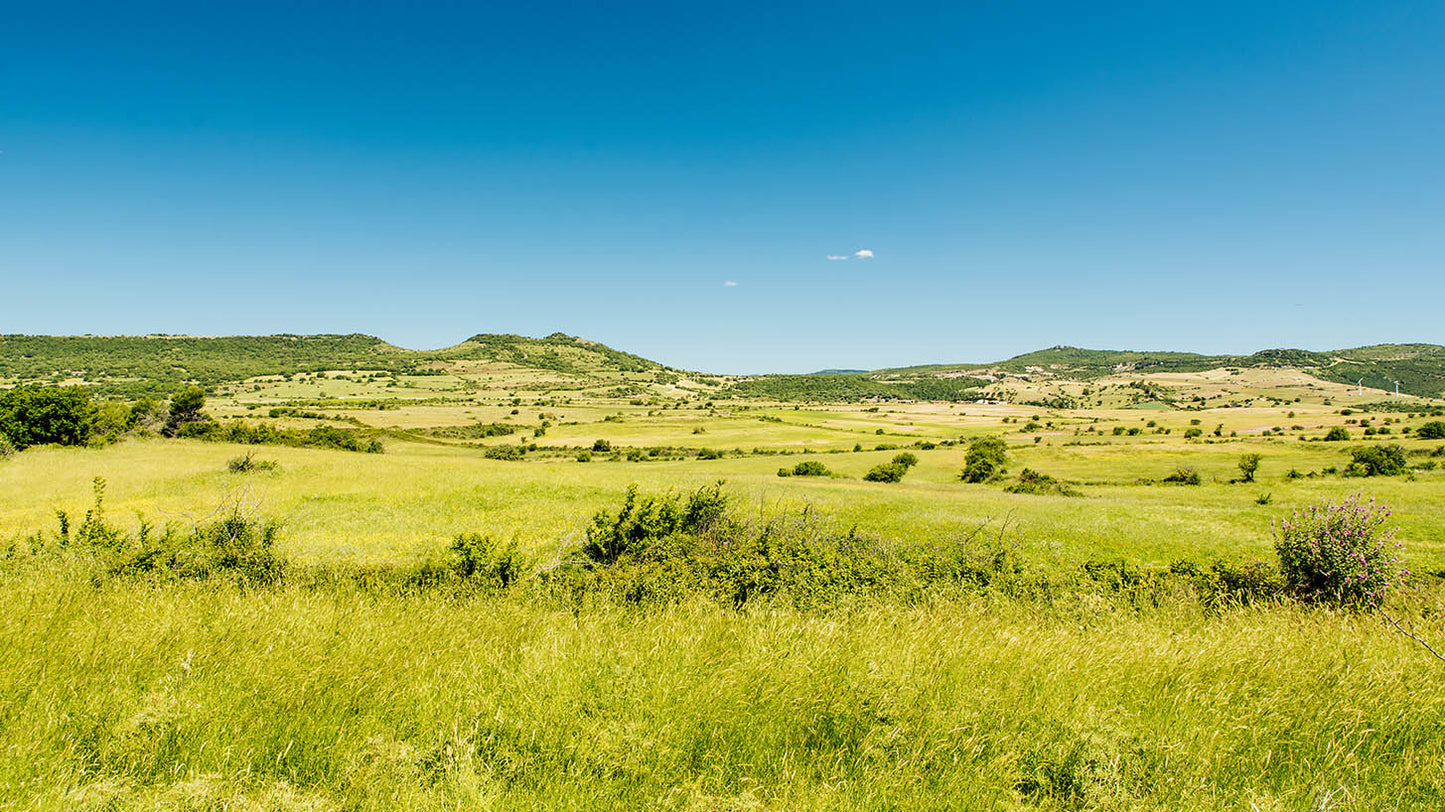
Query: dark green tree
186	407
37	415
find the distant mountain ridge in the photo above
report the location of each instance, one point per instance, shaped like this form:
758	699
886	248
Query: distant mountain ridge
156	364
1419	368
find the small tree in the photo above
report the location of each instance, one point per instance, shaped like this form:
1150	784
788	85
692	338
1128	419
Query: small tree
1337	434
186	406
985	460
1434	430
1340	553
1248	464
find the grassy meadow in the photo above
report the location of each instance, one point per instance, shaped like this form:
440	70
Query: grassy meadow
1046	688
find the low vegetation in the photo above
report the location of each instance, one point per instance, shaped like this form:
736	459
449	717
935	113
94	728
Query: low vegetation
937	604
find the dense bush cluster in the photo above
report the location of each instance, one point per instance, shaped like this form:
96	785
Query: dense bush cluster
40	415
986	460
1034	482
244	433
1377	460
1340	552
892	471
806	468
238	546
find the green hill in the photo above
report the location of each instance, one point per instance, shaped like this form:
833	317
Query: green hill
158	364
1419	368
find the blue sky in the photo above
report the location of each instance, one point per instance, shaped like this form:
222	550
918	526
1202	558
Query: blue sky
1217	177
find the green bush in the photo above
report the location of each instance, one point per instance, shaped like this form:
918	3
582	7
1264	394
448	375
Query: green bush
1337	434
1248	465
504	451
1034	482
811	468
643	521
667	549
483	560
1183	475
1190	434
246	464
985	459
1434	430
1340	552
1377	460
239	546
886	472
601	446
243	433
41	415
905	459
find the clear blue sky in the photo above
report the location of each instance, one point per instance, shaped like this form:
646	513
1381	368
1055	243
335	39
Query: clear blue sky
1217	177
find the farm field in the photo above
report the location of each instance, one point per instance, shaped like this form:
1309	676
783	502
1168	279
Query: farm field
1102	646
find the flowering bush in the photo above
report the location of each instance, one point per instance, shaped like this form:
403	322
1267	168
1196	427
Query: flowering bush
1340	552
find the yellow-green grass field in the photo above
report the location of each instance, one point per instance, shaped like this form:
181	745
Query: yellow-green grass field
409	501
168	694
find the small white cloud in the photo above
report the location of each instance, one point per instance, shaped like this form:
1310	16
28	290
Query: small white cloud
863	253
835	258
730	284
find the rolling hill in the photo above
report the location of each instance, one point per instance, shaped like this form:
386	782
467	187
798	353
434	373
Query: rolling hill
158	364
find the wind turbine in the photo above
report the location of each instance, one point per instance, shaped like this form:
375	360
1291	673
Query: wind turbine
1397	388
1361	384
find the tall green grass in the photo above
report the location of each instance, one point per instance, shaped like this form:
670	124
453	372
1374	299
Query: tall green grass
123	695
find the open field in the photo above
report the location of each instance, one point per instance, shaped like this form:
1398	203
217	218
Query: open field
1090	671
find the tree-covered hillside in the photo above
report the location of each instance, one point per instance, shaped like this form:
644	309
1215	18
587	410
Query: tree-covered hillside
1419	368
158	364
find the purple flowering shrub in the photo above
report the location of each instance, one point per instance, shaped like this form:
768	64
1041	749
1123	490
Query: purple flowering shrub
1340	552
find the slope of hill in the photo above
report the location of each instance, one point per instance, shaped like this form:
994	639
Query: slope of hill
157	364
558	352
1419	368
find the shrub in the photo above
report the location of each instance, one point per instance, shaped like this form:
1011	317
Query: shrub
1031	481
482	559
905	459
810	468
1434	430
1248	465
654	551
985	460
506	451
1190	434
247	463
1377	460
1337	434
643	521
601	446
7	448
584	456
39	415
1340	553
785	472
886	472
1183	475
708	454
